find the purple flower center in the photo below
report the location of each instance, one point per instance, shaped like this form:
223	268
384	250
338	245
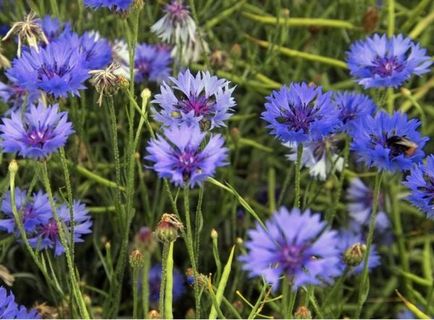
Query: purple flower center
300	117
143	66
37	137
187	163
47	71
50	230
291	257
177	11
200	105
385	67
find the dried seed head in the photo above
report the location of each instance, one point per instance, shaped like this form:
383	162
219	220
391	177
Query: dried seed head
28	30
6	276
4	62
107	81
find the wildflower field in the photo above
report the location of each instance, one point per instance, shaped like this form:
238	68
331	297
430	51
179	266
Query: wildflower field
216	159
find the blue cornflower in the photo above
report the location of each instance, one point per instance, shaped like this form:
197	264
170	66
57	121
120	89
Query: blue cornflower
152	63
96	51
388	142
115	5
296	245
37	133
352	107
348	238
47	235
16	96
360	199
421	185
184	157
379	61
34	210
203	100
9	309
300	113
58	69
154	277
54	28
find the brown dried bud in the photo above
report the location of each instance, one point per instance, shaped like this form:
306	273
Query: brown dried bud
190	314
106	81
236	50
302	313
154	314
370	19
6	276
219	58
168	228
235	135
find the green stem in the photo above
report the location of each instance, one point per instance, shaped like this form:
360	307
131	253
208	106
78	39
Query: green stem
390	100
145	284
364	280
300	22
63	240
390	17
161	302
190	246
55	8
135	272
298	175
168	313
399	233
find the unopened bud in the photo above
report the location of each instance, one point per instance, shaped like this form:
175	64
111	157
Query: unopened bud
236	50
238	305
354	255
168	228
240	241
13	167
144	240
235	135
146	94
370	19
189	275
136	259
302	313
214	234
405	92
138	4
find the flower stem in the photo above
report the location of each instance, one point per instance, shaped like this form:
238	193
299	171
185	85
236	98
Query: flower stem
135	272
364	280
145	284
63	240
161	301
190	248
298	175
168	314
390	17
390	100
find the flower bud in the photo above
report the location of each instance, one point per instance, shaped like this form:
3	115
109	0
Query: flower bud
405	92
370	19
354	255
190	314
168	227
302	313
238	305
136	259
236	50
144	240
214	234
13	167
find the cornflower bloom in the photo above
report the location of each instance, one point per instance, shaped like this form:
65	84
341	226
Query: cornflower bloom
9	309
36	134
154	277
388	142
46	235
300	113
151	63
380	61
352	107
182	156
53	28
58	69
114	5
421	185
34	210
202	100
296	245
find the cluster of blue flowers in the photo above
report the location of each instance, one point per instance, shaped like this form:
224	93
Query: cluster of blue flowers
303	114
38	220
187	153
9	309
